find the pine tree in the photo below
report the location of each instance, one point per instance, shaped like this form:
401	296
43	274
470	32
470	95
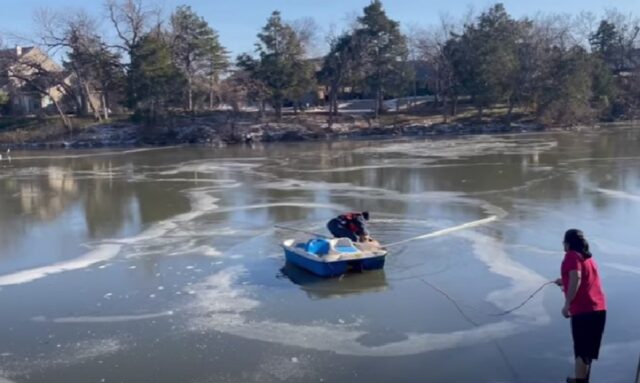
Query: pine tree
158	81
383	52
196	49
487	63
281	66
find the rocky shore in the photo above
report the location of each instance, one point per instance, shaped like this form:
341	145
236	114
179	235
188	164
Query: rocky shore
202	133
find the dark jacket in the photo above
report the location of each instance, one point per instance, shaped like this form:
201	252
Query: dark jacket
354	222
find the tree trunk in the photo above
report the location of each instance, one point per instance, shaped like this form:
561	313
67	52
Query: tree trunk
454	106
94	109
445	112
105	105
85	96
415	92
211	91
63	116
378	103
330	119
189	94
509	112
334	101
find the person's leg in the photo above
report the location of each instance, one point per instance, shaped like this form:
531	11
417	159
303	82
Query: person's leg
579	333
582	368
596	326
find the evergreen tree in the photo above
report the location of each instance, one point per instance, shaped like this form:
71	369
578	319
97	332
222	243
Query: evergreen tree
196	49
605	44
280	67
383	52
158	81
487	61
338	69
568	89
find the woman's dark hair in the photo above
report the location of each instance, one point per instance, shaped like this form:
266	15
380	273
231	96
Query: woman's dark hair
365	215
574	239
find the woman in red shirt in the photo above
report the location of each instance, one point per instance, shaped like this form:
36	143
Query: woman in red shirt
585	302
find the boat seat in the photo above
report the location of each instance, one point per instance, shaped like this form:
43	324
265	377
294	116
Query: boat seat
345	245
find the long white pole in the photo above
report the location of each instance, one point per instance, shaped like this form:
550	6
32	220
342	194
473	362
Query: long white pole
445	231
301	231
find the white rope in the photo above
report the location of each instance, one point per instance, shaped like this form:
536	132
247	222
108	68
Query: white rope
445	231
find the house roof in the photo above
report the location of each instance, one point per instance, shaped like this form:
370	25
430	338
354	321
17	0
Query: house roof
12	53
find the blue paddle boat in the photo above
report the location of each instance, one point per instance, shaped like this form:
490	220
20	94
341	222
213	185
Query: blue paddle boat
333	257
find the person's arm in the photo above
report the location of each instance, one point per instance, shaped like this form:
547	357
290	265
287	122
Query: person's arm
362	227
575	277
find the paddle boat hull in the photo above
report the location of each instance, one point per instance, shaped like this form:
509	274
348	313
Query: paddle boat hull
333	257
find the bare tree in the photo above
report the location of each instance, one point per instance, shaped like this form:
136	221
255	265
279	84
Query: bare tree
37	76
415	35
627	27
309	32
131	20
75	35
559	30
583	26
431	46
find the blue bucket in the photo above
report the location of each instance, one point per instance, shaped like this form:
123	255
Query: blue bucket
318	247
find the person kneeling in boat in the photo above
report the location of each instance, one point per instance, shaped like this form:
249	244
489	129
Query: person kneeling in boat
352	226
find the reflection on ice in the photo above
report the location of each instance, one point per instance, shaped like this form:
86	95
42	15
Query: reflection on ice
209	167
464	147
351	284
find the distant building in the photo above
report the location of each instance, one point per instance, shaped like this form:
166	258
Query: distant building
22	72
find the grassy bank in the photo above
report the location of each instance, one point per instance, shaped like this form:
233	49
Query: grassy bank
21	130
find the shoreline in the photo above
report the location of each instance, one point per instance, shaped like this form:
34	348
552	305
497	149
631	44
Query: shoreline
134	136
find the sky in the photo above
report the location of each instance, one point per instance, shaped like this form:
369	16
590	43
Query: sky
238	21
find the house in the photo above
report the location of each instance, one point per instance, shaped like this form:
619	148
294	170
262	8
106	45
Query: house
30	78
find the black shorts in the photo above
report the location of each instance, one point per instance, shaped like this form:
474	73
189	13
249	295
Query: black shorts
587	329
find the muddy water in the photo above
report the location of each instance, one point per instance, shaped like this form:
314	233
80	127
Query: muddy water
164	265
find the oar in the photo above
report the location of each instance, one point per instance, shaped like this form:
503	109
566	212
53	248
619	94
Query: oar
301	231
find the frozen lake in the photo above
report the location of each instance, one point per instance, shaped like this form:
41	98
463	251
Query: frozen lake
163	265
